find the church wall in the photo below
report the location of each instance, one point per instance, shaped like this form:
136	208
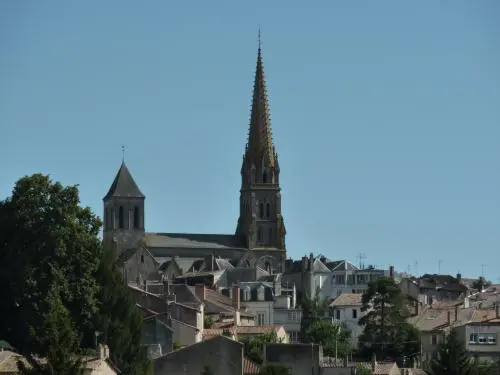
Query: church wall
183	252
141	266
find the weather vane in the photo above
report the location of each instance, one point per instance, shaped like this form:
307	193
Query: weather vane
123	153
259	39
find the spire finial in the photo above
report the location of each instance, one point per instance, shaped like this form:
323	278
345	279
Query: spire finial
260	42
123	153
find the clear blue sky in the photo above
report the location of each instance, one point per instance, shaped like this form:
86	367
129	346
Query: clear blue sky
386	116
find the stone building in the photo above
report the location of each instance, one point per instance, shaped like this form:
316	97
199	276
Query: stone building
259	238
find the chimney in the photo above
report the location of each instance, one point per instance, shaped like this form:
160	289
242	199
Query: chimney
459	278
303	264
456	313
209	262
236	297
103	351
374	362
200	292
449	317
391	272
497	310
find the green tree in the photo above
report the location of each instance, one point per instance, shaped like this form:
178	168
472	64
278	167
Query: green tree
386	331
58	335
254	346
452	357
118	321
480	283
49	243
313	310
208	322
334	338
274	369
363	370
479	367
46	240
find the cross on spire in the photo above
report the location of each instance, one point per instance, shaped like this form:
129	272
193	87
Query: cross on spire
123	153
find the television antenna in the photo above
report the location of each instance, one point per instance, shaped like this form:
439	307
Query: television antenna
362	257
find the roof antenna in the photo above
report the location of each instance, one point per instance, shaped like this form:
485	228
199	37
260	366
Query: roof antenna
123	153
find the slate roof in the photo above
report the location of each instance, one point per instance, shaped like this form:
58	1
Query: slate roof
319	266
191	241
123	185
341	265
347	299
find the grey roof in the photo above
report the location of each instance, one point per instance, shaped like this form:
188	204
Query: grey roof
124	185
125	255
341	265
191	240
319	266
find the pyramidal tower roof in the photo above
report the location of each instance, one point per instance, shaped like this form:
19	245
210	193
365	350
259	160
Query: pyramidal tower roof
260	139
124	185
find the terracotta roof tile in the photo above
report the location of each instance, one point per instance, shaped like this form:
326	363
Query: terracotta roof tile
250	367
347	299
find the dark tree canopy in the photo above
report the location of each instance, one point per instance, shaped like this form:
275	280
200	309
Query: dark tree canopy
452	357
386	331
57	284
316	328
254	346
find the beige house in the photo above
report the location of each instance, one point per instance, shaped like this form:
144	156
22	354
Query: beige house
435	321
100	364
482	334
346	309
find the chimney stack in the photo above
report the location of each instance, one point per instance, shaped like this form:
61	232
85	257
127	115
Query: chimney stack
459	278
449	317
391	272
200	292
236	297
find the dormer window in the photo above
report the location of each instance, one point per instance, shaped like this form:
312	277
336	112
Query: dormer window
260	293
247	296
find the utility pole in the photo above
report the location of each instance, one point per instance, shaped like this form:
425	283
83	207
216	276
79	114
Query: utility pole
483	266
416	268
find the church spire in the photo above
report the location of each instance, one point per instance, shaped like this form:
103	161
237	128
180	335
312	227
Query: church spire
260	224
260	146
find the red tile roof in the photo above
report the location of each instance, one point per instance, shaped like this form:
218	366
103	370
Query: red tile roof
250	367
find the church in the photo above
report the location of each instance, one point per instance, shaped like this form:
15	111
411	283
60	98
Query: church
259	238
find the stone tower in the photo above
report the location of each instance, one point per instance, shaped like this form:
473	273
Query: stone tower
260	224
123	212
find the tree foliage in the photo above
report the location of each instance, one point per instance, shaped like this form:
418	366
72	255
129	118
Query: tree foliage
274	369
254	346
57	284
480	283
452	358
315	328
386	332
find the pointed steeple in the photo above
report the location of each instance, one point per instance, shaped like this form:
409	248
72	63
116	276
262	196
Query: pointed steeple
260	148
123	185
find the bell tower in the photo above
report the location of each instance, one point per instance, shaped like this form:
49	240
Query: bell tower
260	224
123	213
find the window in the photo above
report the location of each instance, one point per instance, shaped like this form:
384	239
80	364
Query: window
137	222
121	218
293	316
142	258
294	337
259	235
264	177
268	210
434	340
261	210
260	319
340	279
483	338
337	314
354	313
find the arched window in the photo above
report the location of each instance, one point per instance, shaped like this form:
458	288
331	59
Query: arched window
137	218
261	210
259	235
121	218
268	210
264	177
